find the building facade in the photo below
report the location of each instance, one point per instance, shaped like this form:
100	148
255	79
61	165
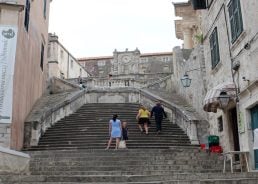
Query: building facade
24	35
229	77
129	63
231	50
61	63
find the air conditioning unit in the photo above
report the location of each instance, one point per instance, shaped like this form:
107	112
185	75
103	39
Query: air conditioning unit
199	4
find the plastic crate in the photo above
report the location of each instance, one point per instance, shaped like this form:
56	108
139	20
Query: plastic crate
216	149
213	139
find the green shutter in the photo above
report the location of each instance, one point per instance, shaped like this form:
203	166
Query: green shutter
235	17
214	46
217	46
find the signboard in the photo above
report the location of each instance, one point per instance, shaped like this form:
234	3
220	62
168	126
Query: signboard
8	40
241	124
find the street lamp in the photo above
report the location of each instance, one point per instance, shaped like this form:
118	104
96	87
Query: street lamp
186	81
223	99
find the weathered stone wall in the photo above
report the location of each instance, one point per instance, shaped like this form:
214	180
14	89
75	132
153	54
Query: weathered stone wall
5	134
13	162
192	61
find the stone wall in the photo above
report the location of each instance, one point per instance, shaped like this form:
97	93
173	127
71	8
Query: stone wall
192	61
5	135
13	162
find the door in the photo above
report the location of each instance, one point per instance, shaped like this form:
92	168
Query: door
254	117
234	128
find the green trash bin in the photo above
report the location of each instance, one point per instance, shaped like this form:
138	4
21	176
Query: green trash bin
213	140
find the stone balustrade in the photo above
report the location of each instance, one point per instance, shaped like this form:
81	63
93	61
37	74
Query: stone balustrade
42	118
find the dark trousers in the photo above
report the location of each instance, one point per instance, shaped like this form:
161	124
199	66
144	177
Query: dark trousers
158	124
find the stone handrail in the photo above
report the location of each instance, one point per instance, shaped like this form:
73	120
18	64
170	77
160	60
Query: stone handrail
158	81
176	113
48	111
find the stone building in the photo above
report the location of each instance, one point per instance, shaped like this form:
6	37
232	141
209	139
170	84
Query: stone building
129	63
61	63
23	51
231	50
228	73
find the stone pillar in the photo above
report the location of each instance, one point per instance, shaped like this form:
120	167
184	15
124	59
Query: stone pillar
188	38
192	133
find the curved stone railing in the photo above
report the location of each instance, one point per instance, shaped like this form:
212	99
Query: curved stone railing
46	113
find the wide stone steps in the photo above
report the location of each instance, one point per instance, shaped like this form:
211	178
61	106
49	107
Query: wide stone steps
88	129
72	152
179	178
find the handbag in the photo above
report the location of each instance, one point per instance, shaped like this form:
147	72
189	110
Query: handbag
122	144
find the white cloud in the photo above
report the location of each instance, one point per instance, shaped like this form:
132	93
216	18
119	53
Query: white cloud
96	27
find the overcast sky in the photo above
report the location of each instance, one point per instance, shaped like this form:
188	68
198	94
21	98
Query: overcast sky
96	27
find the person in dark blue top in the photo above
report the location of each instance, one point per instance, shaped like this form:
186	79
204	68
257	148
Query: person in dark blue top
159	113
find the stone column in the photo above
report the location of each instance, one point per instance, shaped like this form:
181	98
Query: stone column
193	133
188	38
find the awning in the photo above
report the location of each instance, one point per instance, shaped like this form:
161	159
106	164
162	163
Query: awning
211	100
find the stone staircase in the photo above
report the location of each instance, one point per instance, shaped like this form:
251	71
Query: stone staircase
88	129
72	152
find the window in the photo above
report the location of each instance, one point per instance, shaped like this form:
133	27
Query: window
45	8
71	63
27	15
42	57
235	17
165	59
214	44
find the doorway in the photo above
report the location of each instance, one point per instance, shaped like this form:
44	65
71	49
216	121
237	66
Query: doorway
234	129
254	118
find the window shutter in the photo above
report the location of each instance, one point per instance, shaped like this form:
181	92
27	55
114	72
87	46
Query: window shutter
216	46
235	17
231	18
239	22
212	51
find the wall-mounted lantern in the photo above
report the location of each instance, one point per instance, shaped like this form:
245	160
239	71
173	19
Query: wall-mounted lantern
186	81
223	99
